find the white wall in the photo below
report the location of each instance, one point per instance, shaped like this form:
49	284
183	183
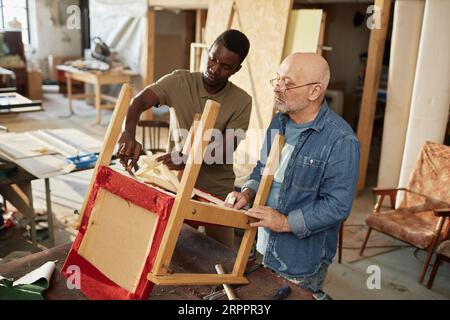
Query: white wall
49	33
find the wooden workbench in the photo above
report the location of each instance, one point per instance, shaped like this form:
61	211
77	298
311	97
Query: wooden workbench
98	79
195	252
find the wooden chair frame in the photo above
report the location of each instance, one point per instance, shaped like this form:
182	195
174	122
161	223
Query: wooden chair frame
184	208
392	193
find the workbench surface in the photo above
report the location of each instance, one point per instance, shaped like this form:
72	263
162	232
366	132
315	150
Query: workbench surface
195	252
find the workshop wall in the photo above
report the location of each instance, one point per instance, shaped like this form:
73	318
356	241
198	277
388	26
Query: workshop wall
49	32
348	42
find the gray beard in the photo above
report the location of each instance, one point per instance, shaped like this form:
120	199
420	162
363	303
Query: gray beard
283	108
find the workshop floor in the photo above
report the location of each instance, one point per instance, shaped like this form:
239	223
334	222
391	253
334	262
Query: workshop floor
399	268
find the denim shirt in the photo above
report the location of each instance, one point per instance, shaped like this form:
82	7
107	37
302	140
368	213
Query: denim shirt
316	194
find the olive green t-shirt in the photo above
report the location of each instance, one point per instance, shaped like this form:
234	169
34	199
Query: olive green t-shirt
184	91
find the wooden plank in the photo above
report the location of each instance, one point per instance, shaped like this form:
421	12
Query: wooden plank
431	95
217	20
323	26
303	31
17	195
98	102
150	45
407	25
83	95
265	25
111	137
212	213
108	98
371	85
260	200
179	4
196	279
183	197
69	91
198	36
149	69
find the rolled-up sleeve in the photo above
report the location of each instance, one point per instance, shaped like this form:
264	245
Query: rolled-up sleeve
251	184
336	193
297	223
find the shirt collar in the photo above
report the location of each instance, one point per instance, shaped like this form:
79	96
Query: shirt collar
318	122
205	94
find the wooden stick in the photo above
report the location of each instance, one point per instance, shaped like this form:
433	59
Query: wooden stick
370	91
260	200
111	137
187	184
230	294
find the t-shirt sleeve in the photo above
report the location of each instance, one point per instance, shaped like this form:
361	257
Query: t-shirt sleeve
241	118
165	85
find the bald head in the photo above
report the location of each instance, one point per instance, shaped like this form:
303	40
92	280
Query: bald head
307	68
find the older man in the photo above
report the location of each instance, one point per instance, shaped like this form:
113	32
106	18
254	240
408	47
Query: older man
314	184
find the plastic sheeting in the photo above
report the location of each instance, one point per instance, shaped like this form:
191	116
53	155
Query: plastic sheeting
122	25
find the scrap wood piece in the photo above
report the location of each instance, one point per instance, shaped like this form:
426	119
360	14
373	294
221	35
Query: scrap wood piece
156	173
371	85
152	171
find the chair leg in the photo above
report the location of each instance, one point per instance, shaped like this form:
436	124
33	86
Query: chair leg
426	264
365	241
143	138
437	262
341	238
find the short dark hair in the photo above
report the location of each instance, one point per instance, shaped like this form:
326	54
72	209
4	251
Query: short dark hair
235	41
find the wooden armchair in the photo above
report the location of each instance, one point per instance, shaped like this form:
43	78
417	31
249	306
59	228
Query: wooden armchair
418	219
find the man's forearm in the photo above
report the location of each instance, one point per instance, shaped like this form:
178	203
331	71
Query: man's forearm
143	101
133	115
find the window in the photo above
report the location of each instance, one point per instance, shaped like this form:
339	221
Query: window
18	9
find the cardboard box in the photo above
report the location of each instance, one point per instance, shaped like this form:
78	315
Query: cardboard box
34	85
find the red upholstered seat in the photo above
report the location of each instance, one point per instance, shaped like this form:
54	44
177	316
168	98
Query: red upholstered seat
93	282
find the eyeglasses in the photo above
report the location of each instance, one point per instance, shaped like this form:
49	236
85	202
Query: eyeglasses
282	84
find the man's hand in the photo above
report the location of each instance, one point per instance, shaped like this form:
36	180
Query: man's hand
174	161
129	151
270	219
237	200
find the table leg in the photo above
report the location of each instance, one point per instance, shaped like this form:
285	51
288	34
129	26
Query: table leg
31	213
51	229
98	101
69	92
20	196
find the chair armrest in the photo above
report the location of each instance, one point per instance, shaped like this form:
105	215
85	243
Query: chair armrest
382	192
445	212
386	191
